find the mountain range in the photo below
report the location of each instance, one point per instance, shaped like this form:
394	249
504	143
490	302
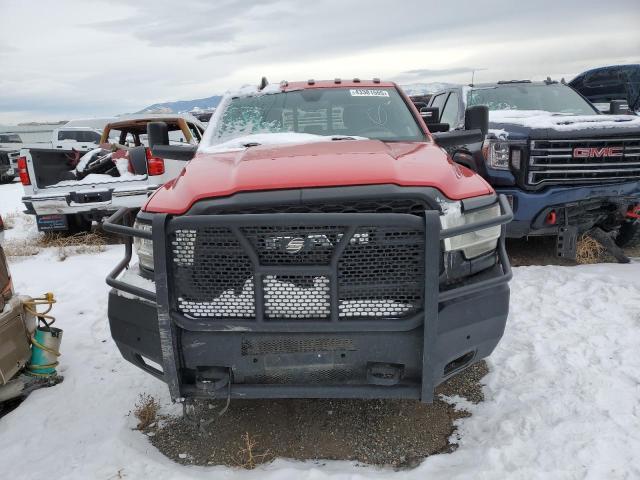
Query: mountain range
182	106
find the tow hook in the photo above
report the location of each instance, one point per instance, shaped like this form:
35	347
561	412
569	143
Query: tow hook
209	381
605	239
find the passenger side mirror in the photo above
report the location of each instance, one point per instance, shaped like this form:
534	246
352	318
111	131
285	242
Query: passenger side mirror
158	135
431	116
477	118
618	107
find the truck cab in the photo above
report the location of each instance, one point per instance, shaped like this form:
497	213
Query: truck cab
565	168
318	243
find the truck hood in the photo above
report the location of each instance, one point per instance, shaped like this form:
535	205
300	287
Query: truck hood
324	164
537	124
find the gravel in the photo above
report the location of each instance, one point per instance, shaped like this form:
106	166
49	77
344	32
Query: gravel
397	433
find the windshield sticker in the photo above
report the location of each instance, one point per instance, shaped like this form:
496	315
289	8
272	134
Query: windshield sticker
359	92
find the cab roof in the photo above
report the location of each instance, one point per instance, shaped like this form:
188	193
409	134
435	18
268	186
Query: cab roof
336	83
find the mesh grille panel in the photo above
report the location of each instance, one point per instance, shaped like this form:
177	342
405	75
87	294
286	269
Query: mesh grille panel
325	375
213	273
413	206
295	345
381	273
299	296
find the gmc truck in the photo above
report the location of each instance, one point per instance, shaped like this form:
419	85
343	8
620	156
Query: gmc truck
319	243
67	190
565	168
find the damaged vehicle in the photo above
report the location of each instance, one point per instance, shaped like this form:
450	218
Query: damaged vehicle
67	190
614	89
319	243
566	168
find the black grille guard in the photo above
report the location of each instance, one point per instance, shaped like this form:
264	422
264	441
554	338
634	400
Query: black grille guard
169	320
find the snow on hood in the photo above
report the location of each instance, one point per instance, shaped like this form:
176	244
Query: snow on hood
281	138
562	122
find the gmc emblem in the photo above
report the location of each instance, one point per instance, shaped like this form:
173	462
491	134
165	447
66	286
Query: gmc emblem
593	152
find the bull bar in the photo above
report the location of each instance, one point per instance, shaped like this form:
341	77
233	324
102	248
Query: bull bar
171	321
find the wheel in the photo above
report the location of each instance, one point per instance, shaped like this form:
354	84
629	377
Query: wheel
78	224
629	234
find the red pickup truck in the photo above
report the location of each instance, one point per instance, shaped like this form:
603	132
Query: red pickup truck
319	243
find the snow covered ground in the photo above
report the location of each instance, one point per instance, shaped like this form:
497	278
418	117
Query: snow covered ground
562	397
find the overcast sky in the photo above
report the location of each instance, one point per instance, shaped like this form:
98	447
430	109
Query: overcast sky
83	58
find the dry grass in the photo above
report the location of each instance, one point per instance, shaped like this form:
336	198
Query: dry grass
247	457
92	242
588	250
20	248
9	220
146	410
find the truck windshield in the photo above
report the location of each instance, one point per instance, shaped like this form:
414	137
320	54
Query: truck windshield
376	113
556	98
10	138
87	136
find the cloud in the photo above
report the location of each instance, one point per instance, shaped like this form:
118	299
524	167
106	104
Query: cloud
429	72
121	56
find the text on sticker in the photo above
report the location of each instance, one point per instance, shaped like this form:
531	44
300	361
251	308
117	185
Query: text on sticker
365	92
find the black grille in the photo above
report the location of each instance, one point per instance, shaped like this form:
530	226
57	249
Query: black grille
309	375
556	162
381	273
214	274
376	272
287	344
412	206
276	245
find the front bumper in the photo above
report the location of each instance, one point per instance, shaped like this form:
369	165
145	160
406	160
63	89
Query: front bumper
528	207
331	358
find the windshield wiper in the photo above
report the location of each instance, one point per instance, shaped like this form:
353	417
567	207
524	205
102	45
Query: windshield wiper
342	137
251	144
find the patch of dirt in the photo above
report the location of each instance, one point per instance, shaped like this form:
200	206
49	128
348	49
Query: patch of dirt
397	433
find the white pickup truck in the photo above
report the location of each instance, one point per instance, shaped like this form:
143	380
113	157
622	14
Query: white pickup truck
66	190
69	136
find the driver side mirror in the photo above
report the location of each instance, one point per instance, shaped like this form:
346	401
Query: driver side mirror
477	118
158	135
476	126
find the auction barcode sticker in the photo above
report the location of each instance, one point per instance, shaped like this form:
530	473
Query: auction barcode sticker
365	92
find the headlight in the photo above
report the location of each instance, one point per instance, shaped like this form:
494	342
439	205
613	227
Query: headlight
473	243
497	154
143	246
